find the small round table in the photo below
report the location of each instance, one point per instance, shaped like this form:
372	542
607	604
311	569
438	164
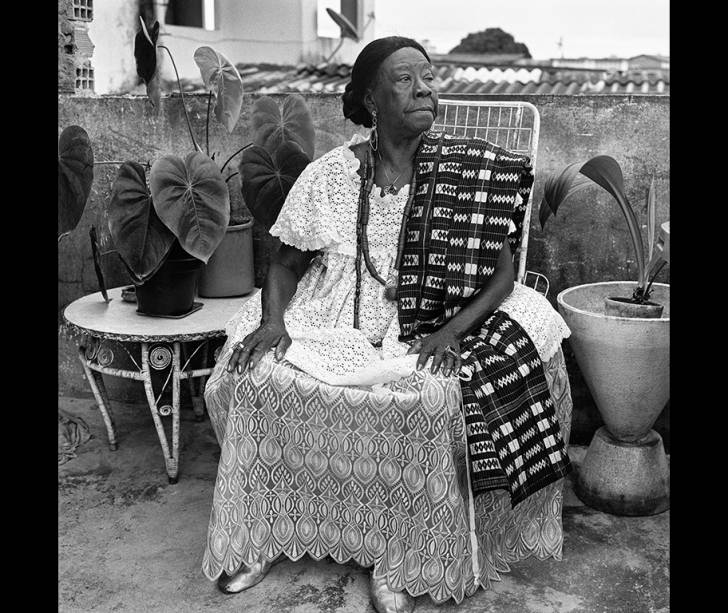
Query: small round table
163	348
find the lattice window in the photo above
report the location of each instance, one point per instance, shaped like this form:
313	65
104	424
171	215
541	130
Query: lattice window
85	78
83	9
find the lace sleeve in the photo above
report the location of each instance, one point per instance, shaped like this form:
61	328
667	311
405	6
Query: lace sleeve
305	220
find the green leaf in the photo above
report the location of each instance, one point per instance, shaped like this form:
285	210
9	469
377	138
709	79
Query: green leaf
651	218
219	75
191	198
75	176
558	188
605	172
145	51
142	240
267	180
272	129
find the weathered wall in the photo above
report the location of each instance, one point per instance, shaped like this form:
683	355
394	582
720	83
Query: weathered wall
586	242
66	49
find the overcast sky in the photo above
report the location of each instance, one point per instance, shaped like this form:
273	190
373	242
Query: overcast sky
593	28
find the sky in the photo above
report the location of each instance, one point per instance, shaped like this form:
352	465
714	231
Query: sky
591	28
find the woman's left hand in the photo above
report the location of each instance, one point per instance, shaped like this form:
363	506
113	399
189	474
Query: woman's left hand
444	348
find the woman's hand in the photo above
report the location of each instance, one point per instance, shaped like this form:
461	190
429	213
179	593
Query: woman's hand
253	347
444	348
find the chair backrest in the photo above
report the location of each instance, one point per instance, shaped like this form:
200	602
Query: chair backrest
511	125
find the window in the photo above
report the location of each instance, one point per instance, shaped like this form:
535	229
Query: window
191	13
85	77
350	10
83	9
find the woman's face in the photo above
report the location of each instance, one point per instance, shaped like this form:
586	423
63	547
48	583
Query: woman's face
403	94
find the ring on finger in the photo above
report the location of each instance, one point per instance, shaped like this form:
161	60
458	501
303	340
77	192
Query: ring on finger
449	350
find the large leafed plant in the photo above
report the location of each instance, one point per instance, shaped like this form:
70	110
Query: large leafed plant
606	172
187	200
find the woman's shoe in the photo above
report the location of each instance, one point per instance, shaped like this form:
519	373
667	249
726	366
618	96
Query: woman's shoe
387	601
246	577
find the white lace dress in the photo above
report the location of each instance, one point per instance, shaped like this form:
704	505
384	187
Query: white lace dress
344	449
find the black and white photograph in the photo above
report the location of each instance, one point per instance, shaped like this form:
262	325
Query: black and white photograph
363	306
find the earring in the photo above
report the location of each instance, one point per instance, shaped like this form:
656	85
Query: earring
373	136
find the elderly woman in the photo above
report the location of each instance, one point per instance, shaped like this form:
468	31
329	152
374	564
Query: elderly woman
385	400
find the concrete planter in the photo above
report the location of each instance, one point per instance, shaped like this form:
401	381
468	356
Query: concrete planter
229	271
625	362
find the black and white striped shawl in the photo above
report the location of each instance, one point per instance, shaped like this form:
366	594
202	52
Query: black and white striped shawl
461	212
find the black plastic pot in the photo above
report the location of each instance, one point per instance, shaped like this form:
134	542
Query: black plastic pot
170	292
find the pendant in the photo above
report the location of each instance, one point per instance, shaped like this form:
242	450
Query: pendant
390	189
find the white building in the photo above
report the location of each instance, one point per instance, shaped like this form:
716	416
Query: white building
285	32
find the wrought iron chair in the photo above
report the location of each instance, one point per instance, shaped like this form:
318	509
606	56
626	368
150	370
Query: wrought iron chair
511	125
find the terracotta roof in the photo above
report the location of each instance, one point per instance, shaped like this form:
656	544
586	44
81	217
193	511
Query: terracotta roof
456	78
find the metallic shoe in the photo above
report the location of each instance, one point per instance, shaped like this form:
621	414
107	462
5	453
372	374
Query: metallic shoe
387	601
246	577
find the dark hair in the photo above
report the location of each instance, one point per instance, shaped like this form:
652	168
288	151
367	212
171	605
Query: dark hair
365	71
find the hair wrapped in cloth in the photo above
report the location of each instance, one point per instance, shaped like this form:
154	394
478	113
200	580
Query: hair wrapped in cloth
467	195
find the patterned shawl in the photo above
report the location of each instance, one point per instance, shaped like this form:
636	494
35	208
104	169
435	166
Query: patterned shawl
461	212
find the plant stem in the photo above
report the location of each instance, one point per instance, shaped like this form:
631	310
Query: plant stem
234	154
207	125
182	95
147	165
659	268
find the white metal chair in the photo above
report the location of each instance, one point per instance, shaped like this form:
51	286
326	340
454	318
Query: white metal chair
511	125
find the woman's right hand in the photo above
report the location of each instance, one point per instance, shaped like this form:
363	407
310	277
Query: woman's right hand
249	351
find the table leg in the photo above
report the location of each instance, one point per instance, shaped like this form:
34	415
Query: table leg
198	406
96	382
171	461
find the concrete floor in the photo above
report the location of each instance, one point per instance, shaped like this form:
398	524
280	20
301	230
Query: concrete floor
128	541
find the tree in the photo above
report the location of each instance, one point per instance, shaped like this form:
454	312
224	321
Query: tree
491	40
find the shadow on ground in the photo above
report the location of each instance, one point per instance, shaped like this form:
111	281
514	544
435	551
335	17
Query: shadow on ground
129	541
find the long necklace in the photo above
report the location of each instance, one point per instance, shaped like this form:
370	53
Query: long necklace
362	242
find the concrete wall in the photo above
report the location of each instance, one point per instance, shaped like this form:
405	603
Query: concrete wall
586	242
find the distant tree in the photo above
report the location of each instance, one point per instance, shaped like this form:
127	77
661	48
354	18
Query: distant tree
490	40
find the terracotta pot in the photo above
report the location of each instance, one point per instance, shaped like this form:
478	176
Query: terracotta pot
229	271
625	362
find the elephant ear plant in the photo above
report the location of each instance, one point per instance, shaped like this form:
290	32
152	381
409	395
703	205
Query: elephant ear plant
283	145
182	208
606	172
185	203
75	177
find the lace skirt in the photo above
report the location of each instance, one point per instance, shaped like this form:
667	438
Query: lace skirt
376	475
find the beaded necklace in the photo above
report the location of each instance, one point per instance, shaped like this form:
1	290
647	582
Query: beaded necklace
362	242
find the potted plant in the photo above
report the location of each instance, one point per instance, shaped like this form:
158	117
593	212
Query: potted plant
282	146
168	228
620	335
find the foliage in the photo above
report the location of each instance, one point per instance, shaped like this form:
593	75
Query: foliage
606	172
75	176
188	200
223	79
143	241
283	147
268	179
491	40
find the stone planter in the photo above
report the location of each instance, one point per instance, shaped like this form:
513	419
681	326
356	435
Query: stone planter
625	362
229	271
